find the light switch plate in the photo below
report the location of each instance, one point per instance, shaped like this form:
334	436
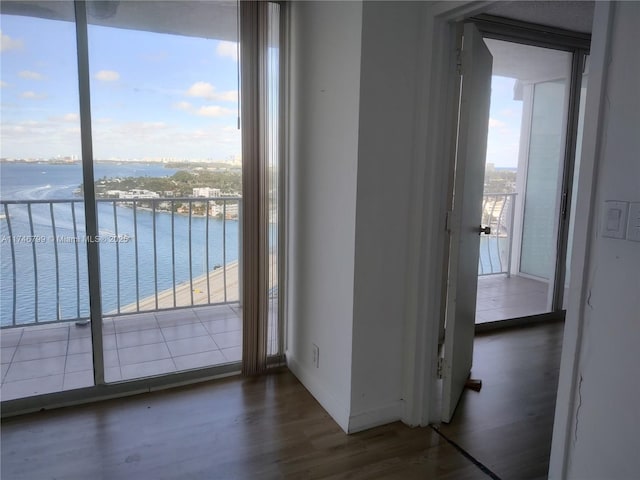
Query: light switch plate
615	219
633	226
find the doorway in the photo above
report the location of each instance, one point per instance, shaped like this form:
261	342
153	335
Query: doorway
523	186
520	149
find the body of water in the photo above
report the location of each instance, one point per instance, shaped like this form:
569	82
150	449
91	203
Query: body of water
175	238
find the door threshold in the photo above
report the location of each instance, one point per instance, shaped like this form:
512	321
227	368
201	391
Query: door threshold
520	321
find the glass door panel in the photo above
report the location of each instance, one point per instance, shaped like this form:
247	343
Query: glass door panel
164	99
45	339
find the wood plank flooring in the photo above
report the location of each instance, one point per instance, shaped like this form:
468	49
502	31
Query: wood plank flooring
507	426
265	428
272	428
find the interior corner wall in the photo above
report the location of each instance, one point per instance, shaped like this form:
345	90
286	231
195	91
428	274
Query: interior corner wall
325	43
606	418
388	90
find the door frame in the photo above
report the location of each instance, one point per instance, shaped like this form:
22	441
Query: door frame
102	390
578	45
422	388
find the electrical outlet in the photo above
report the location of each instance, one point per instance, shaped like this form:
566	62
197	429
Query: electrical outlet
316	356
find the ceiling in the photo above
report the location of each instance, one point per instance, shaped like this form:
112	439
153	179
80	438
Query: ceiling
217	19
205	19
576	16
527	63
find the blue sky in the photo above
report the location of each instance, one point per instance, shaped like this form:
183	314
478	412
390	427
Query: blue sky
504	124
152	95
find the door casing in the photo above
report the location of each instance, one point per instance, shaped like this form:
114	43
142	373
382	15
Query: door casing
422	387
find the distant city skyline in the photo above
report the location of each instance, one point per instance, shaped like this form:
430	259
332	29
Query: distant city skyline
235	160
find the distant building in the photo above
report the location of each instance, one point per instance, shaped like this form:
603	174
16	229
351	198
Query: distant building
206	192
138	193
230	212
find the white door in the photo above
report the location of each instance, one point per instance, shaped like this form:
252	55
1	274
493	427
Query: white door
473	123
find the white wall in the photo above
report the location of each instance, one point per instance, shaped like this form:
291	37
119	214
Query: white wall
354	90
325	92
388	91
604	424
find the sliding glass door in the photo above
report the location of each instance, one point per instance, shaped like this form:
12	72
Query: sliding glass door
166	150
159	138
43	283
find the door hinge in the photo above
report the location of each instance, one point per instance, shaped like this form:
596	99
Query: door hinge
447	221
440	367
459	61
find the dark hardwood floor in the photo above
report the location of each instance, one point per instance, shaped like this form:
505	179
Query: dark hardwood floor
507	426
263	428
271	427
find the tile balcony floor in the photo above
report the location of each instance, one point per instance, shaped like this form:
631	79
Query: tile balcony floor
55	357
501	297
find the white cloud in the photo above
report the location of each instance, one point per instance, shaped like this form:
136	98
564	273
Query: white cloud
228	96
39	139
32	95
29	75
214	111
209	138
7	43
67	118
107	76
3	84
228	50
208	91
182	105
201	89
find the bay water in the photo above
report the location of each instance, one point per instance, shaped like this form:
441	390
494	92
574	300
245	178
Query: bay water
56	282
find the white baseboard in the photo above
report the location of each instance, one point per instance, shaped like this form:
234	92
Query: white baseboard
391	412
376	417
339	412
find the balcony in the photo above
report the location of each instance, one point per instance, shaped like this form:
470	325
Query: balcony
170	277
163	312
501	293
38	359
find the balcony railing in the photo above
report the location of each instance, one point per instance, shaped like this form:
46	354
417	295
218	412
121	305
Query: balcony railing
155	254
496	248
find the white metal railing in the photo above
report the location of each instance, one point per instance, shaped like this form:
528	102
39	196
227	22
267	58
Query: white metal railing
155	254
496	248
